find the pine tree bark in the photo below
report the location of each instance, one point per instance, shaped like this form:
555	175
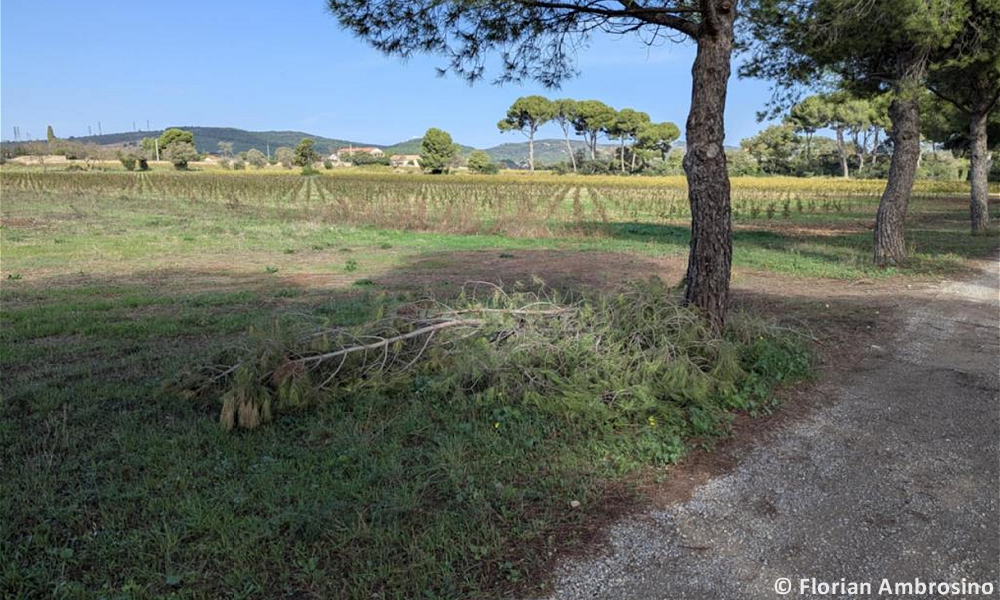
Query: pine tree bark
861	154
531	148
711	250
569	148
845	170
890	242
979	173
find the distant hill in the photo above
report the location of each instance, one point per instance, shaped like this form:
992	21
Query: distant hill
206	139
116	139
547	151
413	147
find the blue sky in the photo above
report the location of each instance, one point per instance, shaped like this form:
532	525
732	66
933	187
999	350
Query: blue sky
288	65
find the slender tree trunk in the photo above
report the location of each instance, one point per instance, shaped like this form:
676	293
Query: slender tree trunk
711	252
858	153
979	172
633	157
890	243
863	148
622	152
569	148
842	150
593	145
531	148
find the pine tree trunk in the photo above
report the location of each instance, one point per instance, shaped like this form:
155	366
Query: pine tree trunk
569	148
531	149
842	149
861	154
857	152
979	173
711	251
890	243
622	152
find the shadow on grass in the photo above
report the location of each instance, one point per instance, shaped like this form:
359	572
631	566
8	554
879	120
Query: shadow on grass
838	254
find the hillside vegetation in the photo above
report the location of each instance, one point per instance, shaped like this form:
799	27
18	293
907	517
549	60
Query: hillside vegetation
206	139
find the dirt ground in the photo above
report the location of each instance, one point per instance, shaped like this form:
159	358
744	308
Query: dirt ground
886	467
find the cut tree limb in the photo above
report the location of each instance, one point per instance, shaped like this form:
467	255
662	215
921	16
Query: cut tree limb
384	343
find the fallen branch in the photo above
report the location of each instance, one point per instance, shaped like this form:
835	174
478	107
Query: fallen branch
384	343
516	345
516	312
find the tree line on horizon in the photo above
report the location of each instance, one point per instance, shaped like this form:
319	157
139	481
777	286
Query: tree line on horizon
590	119
861	145
177	146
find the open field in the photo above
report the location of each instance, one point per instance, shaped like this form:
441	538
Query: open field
799	226
115	284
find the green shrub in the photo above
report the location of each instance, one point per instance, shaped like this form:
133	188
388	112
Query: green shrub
256	158
480	162
128	162
284	156
437	151
305	155
596	167
364	159
181	153
942	166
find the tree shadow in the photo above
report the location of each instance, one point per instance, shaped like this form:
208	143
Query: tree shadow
824	246
679	237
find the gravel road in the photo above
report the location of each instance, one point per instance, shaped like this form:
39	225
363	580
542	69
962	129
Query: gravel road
896	478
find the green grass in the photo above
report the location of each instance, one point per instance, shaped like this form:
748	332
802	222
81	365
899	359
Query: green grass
112	484
98	234
115	486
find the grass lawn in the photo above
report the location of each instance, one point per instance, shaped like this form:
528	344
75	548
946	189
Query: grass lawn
114	485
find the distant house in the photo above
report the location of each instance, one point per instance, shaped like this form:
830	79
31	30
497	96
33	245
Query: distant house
405	160
345	152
